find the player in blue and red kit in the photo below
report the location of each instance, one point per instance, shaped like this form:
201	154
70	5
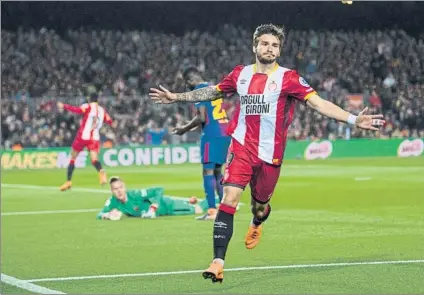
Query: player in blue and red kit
214	141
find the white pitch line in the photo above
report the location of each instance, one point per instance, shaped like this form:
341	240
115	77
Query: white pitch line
81	189
77	189
49	212
362	178
180	272
27	285
54	188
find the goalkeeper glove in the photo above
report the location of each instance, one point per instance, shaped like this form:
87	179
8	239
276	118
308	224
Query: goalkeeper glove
151	213
113	215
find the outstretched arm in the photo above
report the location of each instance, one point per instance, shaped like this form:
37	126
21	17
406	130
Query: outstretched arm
200	118
71	108
163	95
107	119
109	211
329	109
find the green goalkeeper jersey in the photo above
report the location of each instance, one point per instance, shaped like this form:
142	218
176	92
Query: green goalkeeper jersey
138	202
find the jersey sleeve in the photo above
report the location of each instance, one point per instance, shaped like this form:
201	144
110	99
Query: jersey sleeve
229	83
109	206
107	119
153	195
77	110
297	87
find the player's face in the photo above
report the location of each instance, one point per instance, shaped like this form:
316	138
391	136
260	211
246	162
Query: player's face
268	49
118	190
190	82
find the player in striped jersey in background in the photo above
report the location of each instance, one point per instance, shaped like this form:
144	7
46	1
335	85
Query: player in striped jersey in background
88	136
268	93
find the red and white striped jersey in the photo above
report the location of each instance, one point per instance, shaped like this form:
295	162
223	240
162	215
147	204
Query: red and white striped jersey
265	112
93	118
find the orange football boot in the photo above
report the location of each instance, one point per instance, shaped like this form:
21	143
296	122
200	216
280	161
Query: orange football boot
215	272
67	185
253	236
102	177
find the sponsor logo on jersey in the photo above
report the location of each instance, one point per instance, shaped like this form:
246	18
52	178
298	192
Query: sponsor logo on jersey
254	104
276	161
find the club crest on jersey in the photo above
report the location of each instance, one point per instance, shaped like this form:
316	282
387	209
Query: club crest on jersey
303	82
272	86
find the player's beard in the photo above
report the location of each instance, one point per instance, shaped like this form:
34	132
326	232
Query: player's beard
265	60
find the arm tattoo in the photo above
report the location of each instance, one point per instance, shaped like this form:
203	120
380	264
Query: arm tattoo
202	94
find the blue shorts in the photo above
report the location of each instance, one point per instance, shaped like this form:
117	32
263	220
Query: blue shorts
214	151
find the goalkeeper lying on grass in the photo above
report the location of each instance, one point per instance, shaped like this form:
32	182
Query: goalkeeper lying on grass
146	203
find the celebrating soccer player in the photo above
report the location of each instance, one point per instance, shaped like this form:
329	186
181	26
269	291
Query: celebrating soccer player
268	93
146	203
214	142
88	136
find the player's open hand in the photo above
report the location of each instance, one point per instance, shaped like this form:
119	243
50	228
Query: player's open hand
178	131
162	95
369	122
59	105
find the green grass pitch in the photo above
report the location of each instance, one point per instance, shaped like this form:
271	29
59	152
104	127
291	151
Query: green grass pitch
327	215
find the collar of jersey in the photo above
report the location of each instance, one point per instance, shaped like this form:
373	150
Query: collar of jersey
273	70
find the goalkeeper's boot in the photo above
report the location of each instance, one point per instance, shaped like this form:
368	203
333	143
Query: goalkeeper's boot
253	236
210	215
102	177
215	272
67	185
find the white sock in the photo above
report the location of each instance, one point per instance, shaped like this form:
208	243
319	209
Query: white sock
219	260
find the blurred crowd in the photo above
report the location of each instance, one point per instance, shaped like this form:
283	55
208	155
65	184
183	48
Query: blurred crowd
380	69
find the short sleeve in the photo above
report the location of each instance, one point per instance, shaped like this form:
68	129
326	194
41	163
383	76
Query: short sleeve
84	107
229	83
297	87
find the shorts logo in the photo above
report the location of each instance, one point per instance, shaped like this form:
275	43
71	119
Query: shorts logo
303	82
272	86
230	158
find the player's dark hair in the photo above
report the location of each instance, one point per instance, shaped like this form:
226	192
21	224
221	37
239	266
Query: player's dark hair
188	72
271	29
114	179
93	97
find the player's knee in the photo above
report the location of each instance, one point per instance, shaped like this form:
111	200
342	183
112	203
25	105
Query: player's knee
93	156
217	170
231	196
208	172
74	154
